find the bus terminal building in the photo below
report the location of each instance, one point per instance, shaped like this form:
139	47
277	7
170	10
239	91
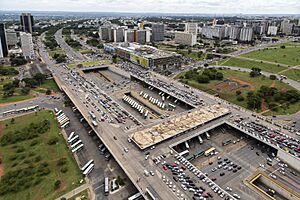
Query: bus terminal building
144	55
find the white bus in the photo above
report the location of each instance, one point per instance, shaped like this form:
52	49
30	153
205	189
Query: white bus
71	135
55	110
78	148
135	196
86	165
106	186
60	116
58	113
75	144
150	194
184	153
73	139
89	169
64	121
65	124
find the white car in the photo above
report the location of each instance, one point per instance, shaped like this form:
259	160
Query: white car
126	149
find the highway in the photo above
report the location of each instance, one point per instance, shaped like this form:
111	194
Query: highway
133	161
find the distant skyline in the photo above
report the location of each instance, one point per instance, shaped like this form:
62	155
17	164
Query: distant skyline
158	6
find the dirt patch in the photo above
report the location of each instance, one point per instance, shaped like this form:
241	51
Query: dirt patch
264	106
231	84
273	83
62	187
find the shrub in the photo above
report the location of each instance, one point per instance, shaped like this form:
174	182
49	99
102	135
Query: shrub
64	169
37	158
57	184
53	141
61	162
240	98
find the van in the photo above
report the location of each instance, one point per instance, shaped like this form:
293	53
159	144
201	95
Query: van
146	173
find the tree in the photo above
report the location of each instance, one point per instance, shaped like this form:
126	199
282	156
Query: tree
189	51
238	92
40	78
25	90
272	77
12	121
114	59
48	92
203	79
282	46
57	184
240	98
181	46
199	54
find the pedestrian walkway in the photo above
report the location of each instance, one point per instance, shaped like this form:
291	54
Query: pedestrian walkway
74	192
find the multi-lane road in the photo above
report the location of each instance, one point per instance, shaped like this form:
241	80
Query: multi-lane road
133	161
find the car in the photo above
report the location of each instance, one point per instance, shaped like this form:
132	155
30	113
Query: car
164	167
152	173
234	171
239	167
175	179
222	174
213	179
126	149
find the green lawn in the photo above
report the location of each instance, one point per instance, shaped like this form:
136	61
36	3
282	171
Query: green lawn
254	84
286	44
57	50
90	63
37	152
17	95
250	64
293	74
49	84
284	110
289	55
192	55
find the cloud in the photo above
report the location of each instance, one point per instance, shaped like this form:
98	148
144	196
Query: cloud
166	6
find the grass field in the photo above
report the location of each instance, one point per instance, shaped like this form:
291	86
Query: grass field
48	84
192	55
90	63
250	64
289	55
57	50
17	95
293	74
286	44
36	152
227	92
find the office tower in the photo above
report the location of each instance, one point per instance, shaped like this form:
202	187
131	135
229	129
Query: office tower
158	31
191	28
234	32
27	22
118	34
148	34
27	45
11	37
104	33
272	30
185	38
140	36
246	34
129	36
4	49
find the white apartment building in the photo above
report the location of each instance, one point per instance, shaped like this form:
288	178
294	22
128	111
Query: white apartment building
27	45
191	28
185	38
272	30
246	34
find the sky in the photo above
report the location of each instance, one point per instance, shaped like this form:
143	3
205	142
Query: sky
159	6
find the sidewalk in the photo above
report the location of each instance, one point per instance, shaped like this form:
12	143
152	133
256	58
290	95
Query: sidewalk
75	191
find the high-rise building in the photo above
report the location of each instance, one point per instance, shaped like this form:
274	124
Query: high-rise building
140	36
27	45
246	34
272	30
27	22
129	36
105	33
118	34
191	28
158	31
4	49
234	32
286	27
213	32
185	38
11	37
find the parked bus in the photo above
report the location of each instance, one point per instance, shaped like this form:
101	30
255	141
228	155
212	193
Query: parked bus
86	165
136	196
209	151
106	186
78	148
89	169
150	194
228	141
65	124
73	139
184	153
75	144
71	135
58	113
